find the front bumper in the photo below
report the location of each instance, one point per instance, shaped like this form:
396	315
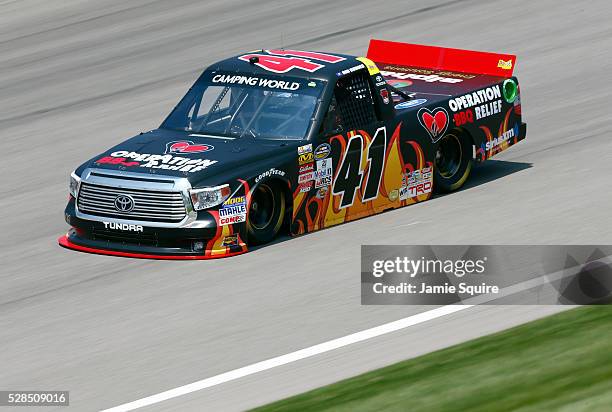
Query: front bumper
113	250
210	242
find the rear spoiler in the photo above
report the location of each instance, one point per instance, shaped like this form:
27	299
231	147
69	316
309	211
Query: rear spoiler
441	58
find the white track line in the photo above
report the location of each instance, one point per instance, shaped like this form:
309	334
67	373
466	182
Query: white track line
348	340
291	357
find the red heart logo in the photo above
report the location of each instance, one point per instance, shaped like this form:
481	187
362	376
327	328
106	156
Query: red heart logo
187	146
435	122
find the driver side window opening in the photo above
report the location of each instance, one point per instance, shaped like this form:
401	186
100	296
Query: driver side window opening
352	105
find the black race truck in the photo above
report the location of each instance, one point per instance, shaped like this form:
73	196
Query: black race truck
295	141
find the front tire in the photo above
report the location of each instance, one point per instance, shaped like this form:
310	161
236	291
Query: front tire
453	162
266	213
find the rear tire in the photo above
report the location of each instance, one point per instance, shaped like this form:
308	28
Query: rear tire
266	213
453	162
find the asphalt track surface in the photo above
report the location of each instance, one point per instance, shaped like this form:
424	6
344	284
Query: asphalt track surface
79	76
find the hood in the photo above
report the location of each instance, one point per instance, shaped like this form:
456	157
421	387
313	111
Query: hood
196	157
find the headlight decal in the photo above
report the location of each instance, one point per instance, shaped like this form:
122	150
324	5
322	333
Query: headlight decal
73	185
208	197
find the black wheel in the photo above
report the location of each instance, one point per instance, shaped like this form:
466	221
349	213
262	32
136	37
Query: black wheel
266	213
453	162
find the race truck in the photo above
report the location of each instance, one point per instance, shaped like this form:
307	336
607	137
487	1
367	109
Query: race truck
294	141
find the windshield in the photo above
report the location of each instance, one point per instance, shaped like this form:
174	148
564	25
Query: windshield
237	105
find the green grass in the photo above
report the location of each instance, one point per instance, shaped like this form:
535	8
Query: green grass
561	363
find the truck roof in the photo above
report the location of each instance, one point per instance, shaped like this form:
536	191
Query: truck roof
306	64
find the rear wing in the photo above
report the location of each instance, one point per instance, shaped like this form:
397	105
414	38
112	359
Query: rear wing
441	58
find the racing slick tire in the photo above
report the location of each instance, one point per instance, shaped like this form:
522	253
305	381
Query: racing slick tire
453	161
266	213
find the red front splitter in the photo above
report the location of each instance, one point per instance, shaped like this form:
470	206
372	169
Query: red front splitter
65	242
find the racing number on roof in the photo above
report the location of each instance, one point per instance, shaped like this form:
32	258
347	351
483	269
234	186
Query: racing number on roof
328	58
350	175
277	62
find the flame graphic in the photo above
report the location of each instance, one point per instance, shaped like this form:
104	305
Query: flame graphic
215	247
503	128
312	213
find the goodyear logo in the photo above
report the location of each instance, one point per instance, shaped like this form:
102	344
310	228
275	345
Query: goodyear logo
234	200
504	64
305	158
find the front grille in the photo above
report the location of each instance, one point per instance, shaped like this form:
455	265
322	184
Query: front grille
149	205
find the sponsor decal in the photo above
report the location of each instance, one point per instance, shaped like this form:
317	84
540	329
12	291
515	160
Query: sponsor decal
324	168
419	189
230	240
233	211
461	118
305	158
306	168
416	190
492	144
305	149
123	226
416	183
306	186
186	147
398	84
322	151
429	78
393	195
488	109
425	71
255	81
410	103
350	70
234	200
269	173
322	192
504	64
435	121
486	102
305	177
384	94
323	181
155	161
476	98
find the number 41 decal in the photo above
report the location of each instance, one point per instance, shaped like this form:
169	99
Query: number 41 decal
350	173
281	61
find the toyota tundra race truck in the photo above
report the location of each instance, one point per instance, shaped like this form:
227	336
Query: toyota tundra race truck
295	141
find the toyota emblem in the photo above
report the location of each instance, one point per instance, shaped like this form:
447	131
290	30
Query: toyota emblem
124	203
